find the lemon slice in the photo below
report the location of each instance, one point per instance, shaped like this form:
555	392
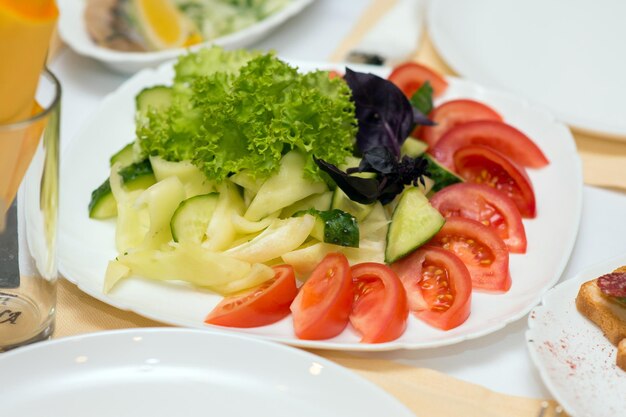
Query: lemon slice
162	24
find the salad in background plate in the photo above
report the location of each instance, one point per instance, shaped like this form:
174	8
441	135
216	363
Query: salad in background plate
136	35
153	25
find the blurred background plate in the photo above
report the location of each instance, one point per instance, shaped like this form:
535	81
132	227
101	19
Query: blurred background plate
566	55
73	32
163	372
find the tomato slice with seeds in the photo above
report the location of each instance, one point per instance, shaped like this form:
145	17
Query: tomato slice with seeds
380	311
410	76
453	113
486	205
321	309
482	165
481	250
263	305
438	286
497	135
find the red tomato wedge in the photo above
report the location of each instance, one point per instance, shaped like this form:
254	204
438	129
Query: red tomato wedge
380	311
334	74
486	205
453	113
483	165
438	286
497	135
263	305
410	76
321	309
481	250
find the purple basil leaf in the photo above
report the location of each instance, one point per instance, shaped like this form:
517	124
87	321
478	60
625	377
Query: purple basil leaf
379	160
385	116
361	190
389	192
420	119
391	176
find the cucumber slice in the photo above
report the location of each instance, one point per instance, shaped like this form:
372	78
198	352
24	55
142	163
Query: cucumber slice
413	147
137	176
413	223
342	202
283	188
441	176
158	97
191	218
102	204
124	156
334	226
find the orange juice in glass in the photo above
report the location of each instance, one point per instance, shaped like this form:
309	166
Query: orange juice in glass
29	147
28	266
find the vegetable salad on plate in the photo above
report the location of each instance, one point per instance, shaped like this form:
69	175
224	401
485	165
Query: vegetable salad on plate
247	177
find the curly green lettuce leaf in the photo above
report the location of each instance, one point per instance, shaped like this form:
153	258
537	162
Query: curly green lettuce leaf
228	121
209	61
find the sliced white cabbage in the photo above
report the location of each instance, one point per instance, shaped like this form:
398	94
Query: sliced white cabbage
116	271
305	260
280	237
193	264
246	227
316	201
162	199
132	223
284	188
374	226
194	180
221	232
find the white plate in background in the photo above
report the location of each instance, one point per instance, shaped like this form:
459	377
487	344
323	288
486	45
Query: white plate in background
575	360
164	372
73	32
566	55
86	246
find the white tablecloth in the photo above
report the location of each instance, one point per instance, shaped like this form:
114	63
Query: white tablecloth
499	361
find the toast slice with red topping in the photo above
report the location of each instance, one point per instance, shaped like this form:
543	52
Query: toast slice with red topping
597	301
621	354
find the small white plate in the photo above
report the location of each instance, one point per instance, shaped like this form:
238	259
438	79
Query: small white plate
72	31
563	54
181	372
575	360
86	246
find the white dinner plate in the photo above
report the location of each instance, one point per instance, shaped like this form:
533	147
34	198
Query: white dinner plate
575	360
165	372
72	31
86	246
567	55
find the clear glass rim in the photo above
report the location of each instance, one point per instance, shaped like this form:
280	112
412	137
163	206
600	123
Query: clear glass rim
20	124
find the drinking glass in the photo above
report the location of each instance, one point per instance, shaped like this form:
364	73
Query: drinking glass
29	186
